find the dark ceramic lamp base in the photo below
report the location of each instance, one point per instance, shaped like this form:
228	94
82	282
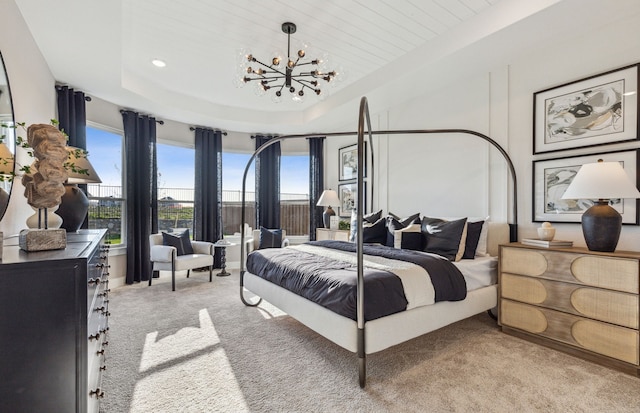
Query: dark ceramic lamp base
326	217
601	226
73	208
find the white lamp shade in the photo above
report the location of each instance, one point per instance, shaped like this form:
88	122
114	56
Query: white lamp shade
329	197
81	163
6	160
601	180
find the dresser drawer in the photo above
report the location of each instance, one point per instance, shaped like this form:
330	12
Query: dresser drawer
604	305
613	273
603	338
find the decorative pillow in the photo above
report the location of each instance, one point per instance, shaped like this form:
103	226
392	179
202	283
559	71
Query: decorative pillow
481	250
376	232
409	238
270	238
473	236
181	242
446	238
372	217
411	219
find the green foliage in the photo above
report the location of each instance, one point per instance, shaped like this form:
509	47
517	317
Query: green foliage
344	225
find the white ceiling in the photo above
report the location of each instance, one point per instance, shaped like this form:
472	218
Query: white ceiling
384	47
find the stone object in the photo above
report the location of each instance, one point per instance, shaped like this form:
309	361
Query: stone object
42	239
546	232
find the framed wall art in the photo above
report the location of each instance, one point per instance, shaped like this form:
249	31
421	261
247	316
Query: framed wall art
551	178
348	162
597	110
348	195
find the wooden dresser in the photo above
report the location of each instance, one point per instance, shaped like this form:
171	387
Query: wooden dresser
582	302
54	312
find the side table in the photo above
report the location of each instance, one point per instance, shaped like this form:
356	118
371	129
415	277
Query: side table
223	259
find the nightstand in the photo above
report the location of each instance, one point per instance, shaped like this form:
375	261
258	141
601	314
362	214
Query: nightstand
582	302
332	234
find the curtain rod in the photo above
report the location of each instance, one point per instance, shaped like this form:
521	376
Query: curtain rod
193	128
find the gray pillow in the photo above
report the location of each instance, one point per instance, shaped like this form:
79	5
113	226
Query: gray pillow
181	242
270	238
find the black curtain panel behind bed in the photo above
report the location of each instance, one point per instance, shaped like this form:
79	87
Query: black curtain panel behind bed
142	195
207	225
267	184
316	184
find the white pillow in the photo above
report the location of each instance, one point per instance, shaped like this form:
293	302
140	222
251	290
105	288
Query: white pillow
481	250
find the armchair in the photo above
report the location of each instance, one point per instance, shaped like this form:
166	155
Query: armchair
166	258
256	239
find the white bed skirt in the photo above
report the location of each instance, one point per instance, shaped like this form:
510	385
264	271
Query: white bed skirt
381	333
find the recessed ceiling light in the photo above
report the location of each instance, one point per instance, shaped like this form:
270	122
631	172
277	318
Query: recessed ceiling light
158	63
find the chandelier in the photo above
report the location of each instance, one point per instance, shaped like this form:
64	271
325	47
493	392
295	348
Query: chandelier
281	76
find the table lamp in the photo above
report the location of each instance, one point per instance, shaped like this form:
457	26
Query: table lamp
74	203
601	224
329	197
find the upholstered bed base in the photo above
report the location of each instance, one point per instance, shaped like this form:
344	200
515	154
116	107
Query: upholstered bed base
380	333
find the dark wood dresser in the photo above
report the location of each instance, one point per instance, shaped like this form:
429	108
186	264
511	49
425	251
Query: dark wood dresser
54	312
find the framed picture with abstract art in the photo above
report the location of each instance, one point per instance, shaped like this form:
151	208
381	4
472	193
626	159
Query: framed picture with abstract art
348	162
551	177
598	110
348	195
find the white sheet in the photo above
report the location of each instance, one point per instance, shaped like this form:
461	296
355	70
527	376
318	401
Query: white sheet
479	272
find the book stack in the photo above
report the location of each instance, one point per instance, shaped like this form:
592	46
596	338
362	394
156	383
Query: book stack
536	242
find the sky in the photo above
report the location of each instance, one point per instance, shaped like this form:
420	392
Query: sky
176	165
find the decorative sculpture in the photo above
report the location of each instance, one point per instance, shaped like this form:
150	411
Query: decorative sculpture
44	180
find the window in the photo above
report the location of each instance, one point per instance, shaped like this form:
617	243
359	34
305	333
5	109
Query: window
294	194
176	181
106	200
233	165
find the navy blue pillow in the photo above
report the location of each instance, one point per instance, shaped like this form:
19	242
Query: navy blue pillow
376	233
373	217
443	237
412	241
411	219
270	238
181	242
473	237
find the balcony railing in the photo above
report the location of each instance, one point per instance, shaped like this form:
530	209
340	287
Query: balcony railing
175	210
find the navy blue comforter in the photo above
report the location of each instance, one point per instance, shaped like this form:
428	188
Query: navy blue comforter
333	283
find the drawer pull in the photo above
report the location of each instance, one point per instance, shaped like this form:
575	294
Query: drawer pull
103	368
95	281
100	265
97	393
95	336
100	352
105	343
99	309
104	330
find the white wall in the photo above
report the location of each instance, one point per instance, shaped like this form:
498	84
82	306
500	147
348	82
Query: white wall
449	176
33	92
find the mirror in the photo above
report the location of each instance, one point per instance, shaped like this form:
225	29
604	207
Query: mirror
8	140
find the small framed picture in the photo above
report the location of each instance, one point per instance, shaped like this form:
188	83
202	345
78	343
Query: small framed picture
551	178
348	162
597	110
348	195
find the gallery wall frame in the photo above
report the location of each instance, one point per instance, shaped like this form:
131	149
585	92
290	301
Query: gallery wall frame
348	195
348	162
597	110
551	177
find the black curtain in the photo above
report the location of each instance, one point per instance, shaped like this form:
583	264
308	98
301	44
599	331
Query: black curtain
142	193
316	184
72	116
207	225
72	119
267	184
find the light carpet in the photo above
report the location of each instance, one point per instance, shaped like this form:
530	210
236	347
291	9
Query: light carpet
199	349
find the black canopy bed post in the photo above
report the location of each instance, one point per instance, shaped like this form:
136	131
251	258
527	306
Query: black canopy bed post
362	356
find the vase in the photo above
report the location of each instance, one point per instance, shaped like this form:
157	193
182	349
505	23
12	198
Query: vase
53	220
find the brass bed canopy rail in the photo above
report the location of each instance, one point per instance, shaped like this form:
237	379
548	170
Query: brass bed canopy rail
365	120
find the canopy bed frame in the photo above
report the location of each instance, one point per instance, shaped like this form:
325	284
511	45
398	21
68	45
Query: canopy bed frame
360	336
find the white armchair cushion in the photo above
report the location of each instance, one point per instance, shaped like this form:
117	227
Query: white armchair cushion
162	253
202	247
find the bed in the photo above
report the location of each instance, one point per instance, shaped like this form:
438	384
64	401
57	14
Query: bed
363	334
